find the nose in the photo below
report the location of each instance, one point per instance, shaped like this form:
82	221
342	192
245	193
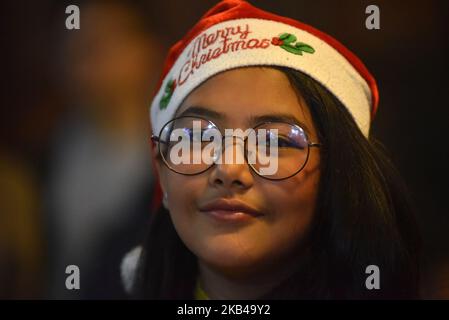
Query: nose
233	175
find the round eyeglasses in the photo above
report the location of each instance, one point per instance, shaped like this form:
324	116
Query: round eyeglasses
190	145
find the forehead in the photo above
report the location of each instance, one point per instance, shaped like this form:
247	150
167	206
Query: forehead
242	95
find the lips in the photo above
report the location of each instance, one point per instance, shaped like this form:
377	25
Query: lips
230	210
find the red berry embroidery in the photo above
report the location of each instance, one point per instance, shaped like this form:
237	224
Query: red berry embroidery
276	41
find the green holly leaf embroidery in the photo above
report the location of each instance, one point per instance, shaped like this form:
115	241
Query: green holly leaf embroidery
168	92
304	47
287	41
287	37
292	49
164	102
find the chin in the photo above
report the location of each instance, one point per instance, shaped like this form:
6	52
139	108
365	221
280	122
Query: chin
229	253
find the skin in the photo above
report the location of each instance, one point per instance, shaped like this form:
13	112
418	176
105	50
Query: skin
244	260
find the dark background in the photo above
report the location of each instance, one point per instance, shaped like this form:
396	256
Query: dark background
49	71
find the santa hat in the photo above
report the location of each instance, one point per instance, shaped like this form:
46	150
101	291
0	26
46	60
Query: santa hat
236	34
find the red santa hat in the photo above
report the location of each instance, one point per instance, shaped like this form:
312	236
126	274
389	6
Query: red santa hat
236	34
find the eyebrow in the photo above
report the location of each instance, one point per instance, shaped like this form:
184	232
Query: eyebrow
280	117
255	120
203	112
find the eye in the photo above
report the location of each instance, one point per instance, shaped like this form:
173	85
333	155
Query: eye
286	142
205	135
189	135
208	134
283	141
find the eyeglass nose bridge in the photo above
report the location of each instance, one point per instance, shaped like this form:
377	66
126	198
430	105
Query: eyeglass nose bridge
226	141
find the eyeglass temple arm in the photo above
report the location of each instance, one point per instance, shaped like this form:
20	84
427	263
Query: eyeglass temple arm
157	139
314	144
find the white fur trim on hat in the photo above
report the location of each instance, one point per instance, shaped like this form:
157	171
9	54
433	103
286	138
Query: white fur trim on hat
128	268
247	42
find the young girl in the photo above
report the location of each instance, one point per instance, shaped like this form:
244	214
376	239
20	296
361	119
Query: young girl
332	221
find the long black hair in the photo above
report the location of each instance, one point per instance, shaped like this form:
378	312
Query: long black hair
363	217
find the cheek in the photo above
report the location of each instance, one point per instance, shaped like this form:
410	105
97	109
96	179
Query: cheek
183	192
301	194
293	203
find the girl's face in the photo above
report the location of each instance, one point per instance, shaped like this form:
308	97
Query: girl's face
236	99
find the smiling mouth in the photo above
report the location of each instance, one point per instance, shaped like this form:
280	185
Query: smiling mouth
230	210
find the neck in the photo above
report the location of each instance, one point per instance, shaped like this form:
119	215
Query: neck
221	284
